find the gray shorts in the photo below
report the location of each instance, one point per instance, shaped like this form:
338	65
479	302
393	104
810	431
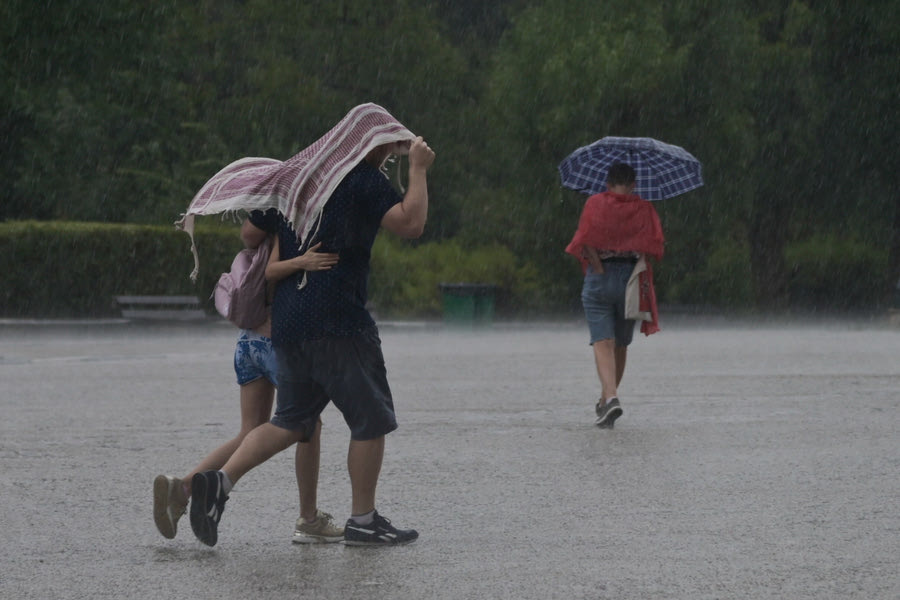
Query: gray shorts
347	371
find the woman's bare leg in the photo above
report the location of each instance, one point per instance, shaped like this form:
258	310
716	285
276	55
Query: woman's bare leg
256	408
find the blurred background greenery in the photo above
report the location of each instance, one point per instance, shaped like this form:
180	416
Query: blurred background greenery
113	113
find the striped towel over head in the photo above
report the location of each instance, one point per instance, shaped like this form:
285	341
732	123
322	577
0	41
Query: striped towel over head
300	186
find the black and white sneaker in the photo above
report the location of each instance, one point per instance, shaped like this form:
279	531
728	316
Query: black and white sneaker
608	413
207	503
379	532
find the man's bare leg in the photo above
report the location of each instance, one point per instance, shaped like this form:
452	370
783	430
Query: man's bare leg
364	460
306	466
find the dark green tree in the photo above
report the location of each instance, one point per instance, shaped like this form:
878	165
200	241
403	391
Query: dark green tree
785	106
272	81
100	127
118	111
564	76
857	64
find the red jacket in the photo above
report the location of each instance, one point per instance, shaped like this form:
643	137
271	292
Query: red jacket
622	223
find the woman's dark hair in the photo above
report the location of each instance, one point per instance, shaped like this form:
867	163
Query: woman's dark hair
620	174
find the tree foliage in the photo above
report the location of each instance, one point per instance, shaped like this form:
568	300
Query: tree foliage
119	111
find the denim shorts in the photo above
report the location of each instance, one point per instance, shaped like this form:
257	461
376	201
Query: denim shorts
348	371
254	357
603	297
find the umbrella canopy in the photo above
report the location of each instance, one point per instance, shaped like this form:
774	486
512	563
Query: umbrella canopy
663	170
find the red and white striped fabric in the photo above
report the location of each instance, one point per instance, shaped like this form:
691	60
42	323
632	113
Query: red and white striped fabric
300	186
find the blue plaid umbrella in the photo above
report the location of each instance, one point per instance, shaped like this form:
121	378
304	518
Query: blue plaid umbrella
663	170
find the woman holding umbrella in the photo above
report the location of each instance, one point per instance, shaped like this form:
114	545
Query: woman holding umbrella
616	231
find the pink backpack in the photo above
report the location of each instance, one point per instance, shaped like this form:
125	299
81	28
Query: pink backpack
240	294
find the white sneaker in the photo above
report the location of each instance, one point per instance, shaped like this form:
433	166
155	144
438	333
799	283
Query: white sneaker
322	530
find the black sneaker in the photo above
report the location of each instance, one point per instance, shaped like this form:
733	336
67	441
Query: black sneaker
608	413
379	532
207	503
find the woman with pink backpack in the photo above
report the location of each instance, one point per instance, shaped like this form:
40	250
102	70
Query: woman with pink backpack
238	298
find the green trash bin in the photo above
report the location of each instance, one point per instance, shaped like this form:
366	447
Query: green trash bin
468	303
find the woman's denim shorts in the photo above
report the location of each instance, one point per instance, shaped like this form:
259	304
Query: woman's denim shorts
254	358
603	297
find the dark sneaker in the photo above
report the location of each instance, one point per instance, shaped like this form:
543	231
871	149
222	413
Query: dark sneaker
608	413
207	503
169	503
379	532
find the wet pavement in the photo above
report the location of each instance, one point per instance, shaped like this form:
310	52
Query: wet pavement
754	460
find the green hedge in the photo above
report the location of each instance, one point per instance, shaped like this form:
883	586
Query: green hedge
70	269
721	278
74	270
826	272
829	272
405	277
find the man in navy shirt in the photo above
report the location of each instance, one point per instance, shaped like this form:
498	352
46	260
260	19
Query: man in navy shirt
326	342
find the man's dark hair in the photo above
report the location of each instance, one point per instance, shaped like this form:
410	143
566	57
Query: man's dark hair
620	174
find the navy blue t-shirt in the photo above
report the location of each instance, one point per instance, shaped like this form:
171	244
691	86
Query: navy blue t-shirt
333	302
